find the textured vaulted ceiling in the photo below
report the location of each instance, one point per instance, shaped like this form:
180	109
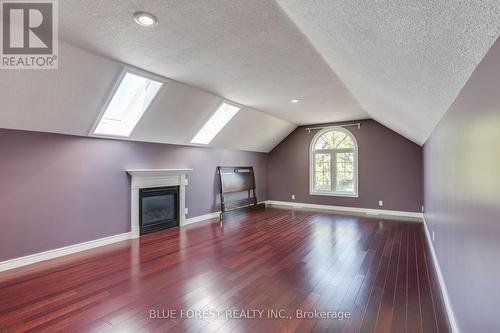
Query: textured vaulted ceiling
69	100
404	61
399	62
248	51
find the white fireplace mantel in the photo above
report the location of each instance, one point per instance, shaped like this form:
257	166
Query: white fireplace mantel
146	178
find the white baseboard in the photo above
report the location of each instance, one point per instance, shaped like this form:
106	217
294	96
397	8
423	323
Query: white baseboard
200	218
63	251
368	211
55	253
208	216
442	284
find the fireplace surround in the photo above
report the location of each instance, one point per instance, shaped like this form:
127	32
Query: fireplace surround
152	179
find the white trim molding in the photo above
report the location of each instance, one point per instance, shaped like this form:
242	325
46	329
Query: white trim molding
63	251
147	178
442	285
333	153
201	218
368	211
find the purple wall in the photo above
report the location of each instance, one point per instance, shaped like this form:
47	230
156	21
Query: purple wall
59	190
390	169
462	197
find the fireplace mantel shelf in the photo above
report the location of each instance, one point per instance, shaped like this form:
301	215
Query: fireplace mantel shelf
156	172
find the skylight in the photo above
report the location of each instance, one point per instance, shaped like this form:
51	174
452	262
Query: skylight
216	123
127	106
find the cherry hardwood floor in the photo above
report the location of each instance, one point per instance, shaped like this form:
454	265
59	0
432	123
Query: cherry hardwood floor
208	278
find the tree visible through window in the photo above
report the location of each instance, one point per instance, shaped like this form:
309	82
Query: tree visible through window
334	163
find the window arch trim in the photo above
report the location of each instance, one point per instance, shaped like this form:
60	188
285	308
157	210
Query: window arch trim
312	190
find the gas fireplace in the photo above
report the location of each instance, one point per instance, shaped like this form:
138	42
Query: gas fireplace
158	208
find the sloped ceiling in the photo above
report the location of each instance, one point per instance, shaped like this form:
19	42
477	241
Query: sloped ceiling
249	52
401	63
69	100
404	61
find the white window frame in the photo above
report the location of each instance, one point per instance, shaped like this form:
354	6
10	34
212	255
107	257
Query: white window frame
312	164
213	135
132	70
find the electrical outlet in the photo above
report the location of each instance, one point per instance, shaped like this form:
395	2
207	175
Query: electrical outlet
186	211
380	203
293	196
433	239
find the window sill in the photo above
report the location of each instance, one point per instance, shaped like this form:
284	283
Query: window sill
335	194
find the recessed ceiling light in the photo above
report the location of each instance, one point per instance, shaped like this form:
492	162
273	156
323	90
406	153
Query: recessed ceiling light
145	19
295	101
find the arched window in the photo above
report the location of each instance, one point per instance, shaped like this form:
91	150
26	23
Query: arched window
334	163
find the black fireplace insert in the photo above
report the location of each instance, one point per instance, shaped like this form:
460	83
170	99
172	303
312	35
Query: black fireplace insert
158	208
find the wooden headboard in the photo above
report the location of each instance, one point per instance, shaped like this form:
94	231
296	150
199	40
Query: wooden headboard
233	180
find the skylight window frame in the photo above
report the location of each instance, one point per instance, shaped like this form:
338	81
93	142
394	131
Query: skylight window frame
240	107
112	92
